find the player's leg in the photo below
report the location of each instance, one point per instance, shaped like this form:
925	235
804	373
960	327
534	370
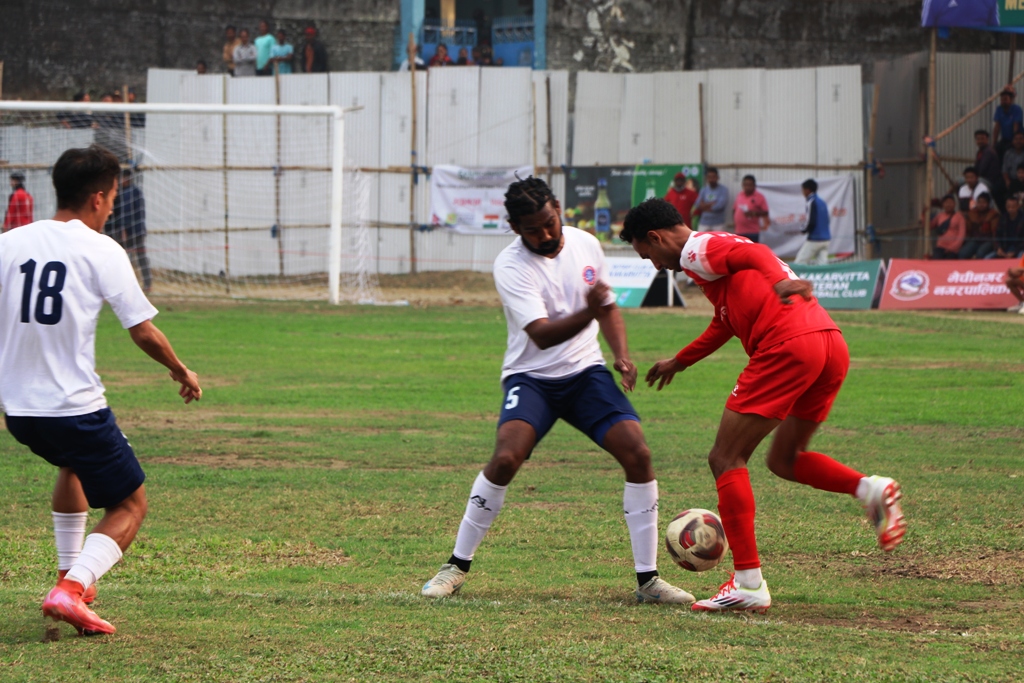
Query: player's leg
70	516
625	441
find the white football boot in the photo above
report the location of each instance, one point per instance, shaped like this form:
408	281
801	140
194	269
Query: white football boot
732	598
883	508
660	590
447	581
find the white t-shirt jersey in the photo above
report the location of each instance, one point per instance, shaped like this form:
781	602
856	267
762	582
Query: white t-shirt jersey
54	278
534	287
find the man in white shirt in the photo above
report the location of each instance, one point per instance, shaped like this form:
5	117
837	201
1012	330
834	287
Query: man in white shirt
974	186
54	278
553	284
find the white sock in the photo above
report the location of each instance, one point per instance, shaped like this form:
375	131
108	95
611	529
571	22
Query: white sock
485	501
99	554
863	489
69	532
749	578
640	505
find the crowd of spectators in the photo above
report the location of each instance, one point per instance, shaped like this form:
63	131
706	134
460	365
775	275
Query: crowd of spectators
269	52
481	55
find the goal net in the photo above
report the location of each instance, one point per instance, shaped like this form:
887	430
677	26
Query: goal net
241	201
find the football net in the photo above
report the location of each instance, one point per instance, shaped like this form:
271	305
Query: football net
240	201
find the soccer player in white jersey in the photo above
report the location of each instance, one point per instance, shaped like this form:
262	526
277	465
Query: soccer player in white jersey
553	284
54	277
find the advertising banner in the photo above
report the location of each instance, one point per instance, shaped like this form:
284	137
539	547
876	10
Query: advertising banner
912	284
787	209
472	200
849	285
632	279
597	199
987	14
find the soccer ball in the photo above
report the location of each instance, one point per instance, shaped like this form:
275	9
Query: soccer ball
696	540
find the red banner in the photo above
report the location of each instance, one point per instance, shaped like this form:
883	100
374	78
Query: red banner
947	284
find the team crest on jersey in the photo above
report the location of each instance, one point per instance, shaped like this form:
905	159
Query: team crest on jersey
589	275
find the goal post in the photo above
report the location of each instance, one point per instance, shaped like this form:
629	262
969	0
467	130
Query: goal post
236	200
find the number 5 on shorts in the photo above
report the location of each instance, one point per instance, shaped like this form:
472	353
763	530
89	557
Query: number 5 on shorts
512	400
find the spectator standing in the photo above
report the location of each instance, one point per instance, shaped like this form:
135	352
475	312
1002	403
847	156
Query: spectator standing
19	205
77	119
440	57
313	54
1012	158
264	41
972	187
463	59
245	55
281	53
711	202
982	224
231	41
138	119
987	164
1009	118
950	227
814	251
1010	234
1016	188
200	67
127	225
750	213
683	197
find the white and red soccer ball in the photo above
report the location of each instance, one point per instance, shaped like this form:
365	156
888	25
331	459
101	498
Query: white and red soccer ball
696	540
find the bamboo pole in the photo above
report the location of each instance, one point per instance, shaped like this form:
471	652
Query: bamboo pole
127	125
533	106
703	139
966	117
551	144
1013	55
1	79
277	177
869	181
412	155
224	161
930	159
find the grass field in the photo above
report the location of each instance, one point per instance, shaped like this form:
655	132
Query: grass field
295	513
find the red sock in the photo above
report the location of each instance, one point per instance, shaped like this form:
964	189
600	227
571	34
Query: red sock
78	589
822	472
736	506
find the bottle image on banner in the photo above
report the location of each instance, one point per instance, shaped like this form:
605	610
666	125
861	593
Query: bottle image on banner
652	191
602	208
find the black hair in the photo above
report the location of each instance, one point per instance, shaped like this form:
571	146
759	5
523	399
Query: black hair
1013	197
201	61
750	178
18	176
243	29
526	197
230	27
948	196
986	196
970	169
710	169
810	184
981	131
79	96
82	172
1020	166
653	214
440	45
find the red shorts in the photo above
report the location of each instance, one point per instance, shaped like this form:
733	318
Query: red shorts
799	377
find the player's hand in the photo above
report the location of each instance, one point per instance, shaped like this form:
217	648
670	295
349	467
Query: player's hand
788	288
597	296
189	381
664	370
627	369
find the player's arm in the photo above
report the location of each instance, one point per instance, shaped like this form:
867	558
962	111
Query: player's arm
703	346
546	333
613	329
150	339
744	256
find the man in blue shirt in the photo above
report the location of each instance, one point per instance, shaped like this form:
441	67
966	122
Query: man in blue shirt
814	251
711	203
1009	118
281	54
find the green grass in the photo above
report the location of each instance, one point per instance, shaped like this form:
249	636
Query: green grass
297	510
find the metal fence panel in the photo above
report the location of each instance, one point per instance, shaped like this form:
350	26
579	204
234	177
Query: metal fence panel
732	115
677	116
636	125
598	114
840	123
453	111
790	117
559	115
506	119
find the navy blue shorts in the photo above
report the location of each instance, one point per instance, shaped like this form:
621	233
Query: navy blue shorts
91	445
590	401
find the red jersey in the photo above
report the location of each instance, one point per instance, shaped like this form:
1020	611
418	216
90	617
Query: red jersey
683	201
19	210
738	277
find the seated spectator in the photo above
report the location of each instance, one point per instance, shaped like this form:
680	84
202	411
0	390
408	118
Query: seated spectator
987	164
245	55
1015	283
231	41
1016	187
440	57
312	53
982	224
1010	234
200	67
1013	158
420	64
972	187
486	56
463	59
1009	118
281	54
77	119
949	227
19	206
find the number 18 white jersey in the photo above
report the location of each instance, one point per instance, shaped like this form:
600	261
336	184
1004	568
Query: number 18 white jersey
54	278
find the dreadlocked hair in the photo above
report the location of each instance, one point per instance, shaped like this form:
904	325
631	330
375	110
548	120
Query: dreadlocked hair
525	197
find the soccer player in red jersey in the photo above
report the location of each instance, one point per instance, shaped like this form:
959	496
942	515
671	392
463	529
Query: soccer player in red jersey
798	361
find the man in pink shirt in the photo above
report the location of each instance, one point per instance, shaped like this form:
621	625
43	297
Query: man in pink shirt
950	227
750	212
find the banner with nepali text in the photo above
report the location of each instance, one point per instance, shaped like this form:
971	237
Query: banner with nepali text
912	284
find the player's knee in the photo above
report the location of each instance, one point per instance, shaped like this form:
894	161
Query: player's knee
507	461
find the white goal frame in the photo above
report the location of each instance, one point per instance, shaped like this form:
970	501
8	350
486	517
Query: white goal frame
336	114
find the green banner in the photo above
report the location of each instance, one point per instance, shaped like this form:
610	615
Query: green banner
849	285
1011	13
